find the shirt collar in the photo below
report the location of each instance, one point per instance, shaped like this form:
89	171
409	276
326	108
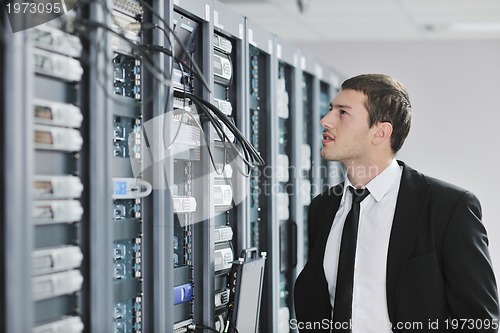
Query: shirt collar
381	184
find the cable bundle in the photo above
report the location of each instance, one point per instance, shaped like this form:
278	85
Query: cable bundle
251	156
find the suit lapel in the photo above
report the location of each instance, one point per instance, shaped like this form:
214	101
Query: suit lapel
410	207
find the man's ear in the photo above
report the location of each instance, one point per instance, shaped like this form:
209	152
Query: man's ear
383	133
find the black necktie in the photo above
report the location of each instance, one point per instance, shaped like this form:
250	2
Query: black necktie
342	311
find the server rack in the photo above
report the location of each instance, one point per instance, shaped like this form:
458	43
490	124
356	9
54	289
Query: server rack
130	244
262	67
309	146
17	233
158	229
98	283
288	172
193	19
229	91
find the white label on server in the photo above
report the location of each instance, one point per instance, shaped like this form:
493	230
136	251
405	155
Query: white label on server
282	166
283	205
56	284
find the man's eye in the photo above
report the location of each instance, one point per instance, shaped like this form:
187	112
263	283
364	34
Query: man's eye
342	112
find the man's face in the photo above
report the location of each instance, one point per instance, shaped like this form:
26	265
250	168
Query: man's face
346	135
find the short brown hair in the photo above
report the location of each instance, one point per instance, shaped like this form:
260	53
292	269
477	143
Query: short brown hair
387	101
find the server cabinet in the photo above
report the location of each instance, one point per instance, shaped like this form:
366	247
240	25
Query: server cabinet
289	166
189	185
230	228
17	151
264	226
130	187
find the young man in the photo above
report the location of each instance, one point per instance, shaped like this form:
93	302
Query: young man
404	252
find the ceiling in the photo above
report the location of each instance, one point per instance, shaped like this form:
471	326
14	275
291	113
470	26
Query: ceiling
374	20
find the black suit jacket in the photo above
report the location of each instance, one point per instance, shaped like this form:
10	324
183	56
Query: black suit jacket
438	264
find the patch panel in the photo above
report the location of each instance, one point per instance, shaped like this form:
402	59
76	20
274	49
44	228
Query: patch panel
119	251
127	257
56	114
128	26
127	76
127	137
129	7
137	248
254	234
181	104
254	72
127	209
181	243
128	316
137	318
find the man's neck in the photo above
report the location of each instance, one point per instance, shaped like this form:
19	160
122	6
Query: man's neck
361	173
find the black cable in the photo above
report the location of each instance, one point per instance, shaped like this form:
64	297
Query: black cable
254	154
182	115
218	128
234	326
161	49
150	64
100	49
231	126
206	140
195	327
183	47
208	146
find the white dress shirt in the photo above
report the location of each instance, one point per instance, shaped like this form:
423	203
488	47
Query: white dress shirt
369	304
